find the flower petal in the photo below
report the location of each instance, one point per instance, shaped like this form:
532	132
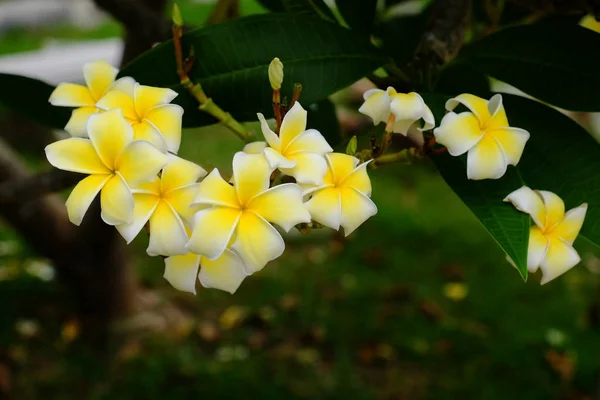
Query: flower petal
139	162
251	174
325	207
148	132
144	206
458	132
71	95
116	201
181	199
82	196
569	227
497	114
293	124
341	166
486	160
429	119
537	248
269	135
277	160
415	135
214	190
358	179
148	97
560	258
99	75
179	172
528	201
75	155
116	99
167	119
310	168
168	236
77	125
281	205
407	108
181	272
225	273
512	141
257	242
356	209
476	105
310	141
126	85
555	208
376	105
255	147
213	228
109	133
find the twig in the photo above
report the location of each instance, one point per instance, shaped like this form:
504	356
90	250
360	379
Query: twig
35	186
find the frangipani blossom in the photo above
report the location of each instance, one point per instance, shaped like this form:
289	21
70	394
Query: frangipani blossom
114	162
344	198
551	238
407	108
99	77
225	273
148	110
241	213
296	152
165	203
484	133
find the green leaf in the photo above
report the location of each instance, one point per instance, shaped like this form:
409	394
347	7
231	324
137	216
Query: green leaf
322	117
508	226
359	15
29	98
309	7
232	61
554	62
273	5
460	77
401	36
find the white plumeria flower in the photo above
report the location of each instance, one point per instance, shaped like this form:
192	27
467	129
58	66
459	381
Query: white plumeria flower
149	111
551	238
344	198
241	213
99	78
484	133
114	162
225	273
406	108
165	203
296	152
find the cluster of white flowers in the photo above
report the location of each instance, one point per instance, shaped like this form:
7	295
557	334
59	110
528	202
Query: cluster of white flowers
482	131
125	137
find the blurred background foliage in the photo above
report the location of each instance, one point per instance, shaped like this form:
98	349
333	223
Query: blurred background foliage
418	304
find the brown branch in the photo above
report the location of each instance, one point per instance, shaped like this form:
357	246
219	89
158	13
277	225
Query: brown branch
36	186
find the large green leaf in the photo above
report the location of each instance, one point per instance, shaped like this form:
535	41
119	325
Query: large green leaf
401	36
311	7
29	98
509	227
322	117
557	63
232	61
460	77
359	15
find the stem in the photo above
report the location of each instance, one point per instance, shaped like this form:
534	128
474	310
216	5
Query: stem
195	89
406	156
296	94
277	108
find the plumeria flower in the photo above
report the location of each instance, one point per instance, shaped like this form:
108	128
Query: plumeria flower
225	273
149	111
242	212
296	152
551	238
114	162
344	198
484	133
165	203
99	78
407	109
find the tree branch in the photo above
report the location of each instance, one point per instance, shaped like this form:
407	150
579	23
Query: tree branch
35	186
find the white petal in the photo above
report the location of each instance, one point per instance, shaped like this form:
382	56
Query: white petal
560	258
293	124
376	105
476	105
213	228
167	119
277	160
310	168
179	172
536	250
82	196
281	205
77	125
269	135
310	141
255	147
512	141
325	207
116	201
458	132
555	208
109	133
71	95
75	155
140	162
144	206
407	108
252	175
528	201
214	190
486	160
570	226
225	273
356	209
99	76
168	236
181	272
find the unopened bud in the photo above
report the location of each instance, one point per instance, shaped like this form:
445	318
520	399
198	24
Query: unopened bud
276	73
176	16
352	146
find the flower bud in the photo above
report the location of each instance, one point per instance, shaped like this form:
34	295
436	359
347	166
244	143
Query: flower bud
276	73
176	16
